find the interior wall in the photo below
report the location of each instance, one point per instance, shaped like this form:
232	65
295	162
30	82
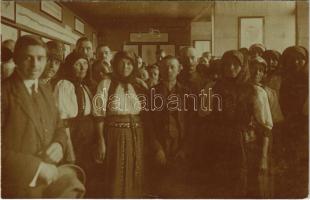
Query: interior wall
118	34
279	27
201	31
67	24
302	19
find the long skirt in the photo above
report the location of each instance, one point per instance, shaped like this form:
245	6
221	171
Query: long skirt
83	140
124	156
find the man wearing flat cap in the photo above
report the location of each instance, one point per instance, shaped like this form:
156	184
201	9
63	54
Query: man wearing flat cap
33	137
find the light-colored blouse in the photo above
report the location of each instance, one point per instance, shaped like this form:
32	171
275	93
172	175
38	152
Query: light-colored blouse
66	100
261	107
120	102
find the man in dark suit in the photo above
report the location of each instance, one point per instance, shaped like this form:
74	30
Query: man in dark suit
167	126
33	139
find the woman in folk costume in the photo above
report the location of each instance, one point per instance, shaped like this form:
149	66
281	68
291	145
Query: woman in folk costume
294	103
74	99
229	117
117	106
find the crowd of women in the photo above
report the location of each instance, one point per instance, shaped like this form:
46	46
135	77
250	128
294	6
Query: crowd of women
255	146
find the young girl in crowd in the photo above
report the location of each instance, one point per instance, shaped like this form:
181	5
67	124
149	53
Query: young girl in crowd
121	126
257	138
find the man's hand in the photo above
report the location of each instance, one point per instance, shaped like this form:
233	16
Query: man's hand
54	153
161	157
48	173
264	164
100	151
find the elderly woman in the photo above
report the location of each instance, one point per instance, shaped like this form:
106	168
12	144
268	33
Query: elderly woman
74	103
120	128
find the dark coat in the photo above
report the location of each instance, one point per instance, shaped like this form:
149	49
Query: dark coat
23	135
158	119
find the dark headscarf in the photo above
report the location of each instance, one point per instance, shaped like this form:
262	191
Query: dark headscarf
234	54
68	69
291	52
294	87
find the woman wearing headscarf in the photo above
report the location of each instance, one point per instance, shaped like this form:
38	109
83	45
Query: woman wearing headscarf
74	99
273	75
294	103
118	112
256	50
230	117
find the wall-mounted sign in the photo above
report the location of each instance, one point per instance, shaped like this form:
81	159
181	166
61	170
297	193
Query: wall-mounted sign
148	37
251	31
8	10
52	8
78	25
44	26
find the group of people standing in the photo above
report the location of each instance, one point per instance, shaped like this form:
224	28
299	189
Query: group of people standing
50	119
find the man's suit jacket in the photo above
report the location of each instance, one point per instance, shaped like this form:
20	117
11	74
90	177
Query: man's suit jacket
157	120
23	135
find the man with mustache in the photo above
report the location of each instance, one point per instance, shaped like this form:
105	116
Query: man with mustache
55	57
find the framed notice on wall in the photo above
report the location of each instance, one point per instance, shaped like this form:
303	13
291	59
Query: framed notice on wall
8	9
79	25
251	31
52	8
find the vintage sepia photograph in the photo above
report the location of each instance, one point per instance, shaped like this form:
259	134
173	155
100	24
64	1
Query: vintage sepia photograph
150	99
